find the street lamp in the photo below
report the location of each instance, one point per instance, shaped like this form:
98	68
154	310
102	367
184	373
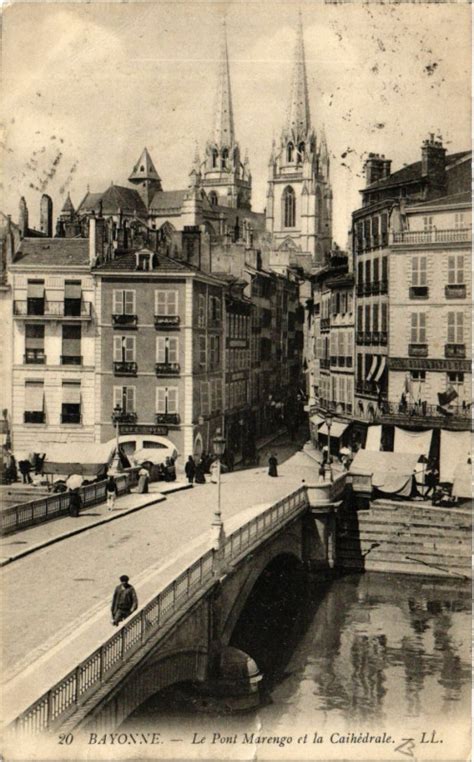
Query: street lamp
328	426
217	524
116	415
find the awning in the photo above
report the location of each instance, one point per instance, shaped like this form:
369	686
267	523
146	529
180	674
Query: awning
454	451
337	429
418	442
72	289
374	437
35	289
72	394
372	367
34	397
88	458
381	369
392	472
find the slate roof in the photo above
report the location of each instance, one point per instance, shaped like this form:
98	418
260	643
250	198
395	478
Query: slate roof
126	261
452	200
144	169
68	206
66	252
166	200
116	197
411	173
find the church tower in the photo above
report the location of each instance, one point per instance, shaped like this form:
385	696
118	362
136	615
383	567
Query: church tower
226	180
146	178
299	196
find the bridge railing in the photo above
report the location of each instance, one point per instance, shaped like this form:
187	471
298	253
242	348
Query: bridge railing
37	511
62	700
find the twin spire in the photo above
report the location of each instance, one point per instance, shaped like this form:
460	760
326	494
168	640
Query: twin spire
223	134
298	118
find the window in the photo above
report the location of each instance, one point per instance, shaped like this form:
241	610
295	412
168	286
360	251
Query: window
289	207
167	349
205	397
213	198
456	270
376	269
72	297
418	328
202	351
214	309
367	271
459	221
427	224
35	297
71	402
34	402
123	302
34	344
418	271
384	317
167	399
124	348
289	152
360	318
201	311
224	158
214	351
166	302
375	317
215	155
125	397
71	347
418	376
456	382
455	327
367	317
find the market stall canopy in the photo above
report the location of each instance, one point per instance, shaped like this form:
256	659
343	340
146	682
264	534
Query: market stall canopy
392	472
374	437
462	481
455	449
88	458
337	429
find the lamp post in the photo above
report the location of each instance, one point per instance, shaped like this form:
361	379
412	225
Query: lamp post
328	426
117	412
218	534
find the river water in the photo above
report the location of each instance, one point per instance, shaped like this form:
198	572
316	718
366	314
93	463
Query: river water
363	653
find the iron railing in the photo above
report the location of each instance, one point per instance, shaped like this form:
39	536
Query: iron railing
167	321
62	700
37	511
50	309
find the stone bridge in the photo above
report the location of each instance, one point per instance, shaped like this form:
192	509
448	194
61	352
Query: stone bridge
180	634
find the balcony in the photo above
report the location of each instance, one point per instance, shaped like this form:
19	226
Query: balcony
458	235
455	350
419	292
71	359
455	291
383	338
34	416
171	419
333	360
367	388
384	286
124	417
124	321
426	415
360	337
418	350
167	368
167	321
71	418
367	289
125	368
34	357
324	363
26	310
375	337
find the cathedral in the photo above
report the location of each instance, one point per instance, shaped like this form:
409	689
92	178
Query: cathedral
297	222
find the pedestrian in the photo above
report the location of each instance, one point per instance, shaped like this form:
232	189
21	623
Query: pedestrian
124	601
143	479
272	466
171	470
229	459
214	471
111	492
25	468
190	469
199	475
75	502
431	480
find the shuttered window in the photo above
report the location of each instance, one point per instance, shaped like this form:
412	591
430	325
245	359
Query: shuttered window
124	302
456	270
418	328
124	348
455	327
418	271
167	348
166	399
125	397
166	302
34	396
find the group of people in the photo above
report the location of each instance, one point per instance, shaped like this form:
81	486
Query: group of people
196	471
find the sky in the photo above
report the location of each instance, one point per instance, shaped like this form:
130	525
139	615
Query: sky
87	85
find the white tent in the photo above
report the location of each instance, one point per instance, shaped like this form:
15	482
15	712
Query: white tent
88	458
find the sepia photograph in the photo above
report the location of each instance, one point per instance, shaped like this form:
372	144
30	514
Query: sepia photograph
236	388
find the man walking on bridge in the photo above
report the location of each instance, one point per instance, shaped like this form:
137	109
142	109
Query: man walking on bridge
124	602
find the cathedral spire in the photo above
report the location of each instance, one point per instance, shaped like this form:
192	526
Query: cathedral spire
299	120
223	135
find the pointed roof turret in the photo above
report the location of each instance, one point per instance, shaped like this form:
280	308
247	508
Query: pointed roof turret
144	169
223	134
298	119
68	206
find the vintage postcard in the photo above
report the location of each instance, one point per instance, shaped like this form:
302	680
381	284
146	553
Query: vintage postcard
235	293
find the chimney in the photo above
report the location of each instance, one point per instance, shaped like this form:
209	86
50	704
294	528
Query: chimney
92	241
376	167
433	162
46	215
23	218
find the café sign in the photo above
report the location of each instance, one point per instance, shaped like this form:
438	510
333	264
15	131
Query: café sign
143	428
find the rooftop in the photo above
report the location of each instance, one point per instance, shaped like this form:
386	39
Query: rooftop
115	199
411	173
163	200
452	200
126	261
65	252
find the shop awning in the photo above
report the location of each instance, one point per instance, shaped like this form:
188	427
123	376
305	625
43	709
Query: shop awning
392	472
337	429
418	442
72	289
72	394
374	437
34	397
36	289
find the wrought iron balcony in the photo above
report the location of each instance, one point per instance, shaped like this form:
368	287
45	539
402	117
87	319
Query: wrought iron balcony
167	368
34	416
167	321
455	350
42	309
375	337
124	321
383	337
35	357
419	292
124	417
455	291
418	350
71	359
172	419
425	414
125	368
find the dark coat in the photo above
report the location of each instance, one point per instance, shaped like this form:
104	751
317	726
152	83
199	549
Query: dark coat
111	485
190	469
125	600
75	503
200	478
272	466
